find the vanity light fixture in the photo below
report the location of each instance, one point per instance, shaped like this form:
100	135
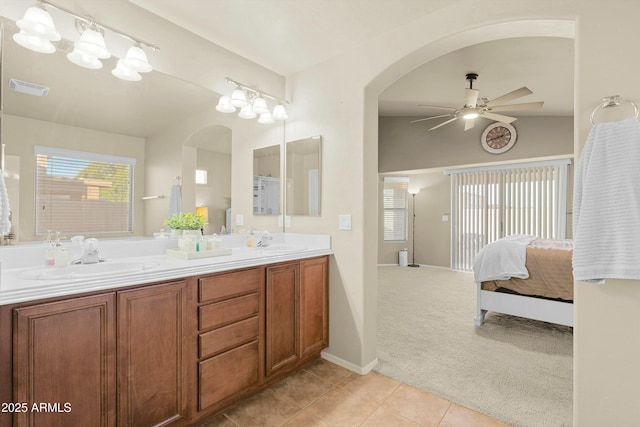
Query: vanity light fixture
37	32
252	103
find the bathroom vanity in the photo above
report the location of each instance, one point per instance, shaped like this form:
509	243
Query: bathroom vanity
160	351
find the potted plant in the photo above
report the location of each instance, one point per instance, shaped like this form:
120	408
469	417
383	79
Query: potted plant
185	221
189	224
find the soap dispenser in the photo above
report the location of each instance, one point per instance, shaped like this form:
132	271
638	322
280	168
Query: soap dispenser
251	241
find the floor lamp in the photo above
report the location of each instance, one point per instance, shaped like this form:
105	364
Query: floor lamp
413	192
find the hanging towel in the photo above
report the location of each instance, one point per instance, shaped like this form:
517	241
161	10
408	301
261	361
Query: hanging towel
606	204
175	200
5	210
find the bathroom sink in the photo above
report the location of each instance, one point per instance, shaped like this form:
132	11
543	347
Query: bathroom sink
81	271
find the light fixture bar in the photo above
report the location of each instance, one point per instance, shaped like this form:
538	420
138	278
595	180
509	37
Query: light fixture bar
256	91
90	21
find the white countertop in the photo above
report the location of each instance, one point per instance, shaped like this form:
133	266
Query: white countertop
20	264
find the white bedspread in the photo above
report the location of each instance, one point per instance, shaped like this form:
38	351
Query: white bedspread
606	204
502	259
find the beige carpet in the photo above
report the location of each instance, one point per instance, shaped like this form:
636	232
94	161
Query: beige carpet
515	370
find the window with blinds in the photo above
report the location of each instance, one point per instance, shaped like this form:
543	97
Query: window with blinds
494	202
80	192
395	208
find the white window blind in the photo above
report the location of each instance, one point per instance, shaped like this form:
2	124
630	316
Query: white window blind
494	202
395	208
80	192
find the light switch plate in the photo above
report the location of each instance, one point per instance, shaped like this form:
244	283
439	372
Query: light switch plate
239	219
445	218
344	222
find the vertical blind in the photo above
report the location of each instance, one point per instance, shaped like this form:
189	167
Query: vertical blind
490	203
80	192
395	208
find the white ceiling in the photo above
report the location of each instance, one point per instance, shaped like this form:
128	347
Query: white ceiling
287	36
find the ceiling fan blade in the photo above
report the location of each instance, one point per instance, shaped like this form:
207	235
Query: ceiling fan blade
469	124
443	123
437	106
429	118
471	97
518	93
498	117
518	107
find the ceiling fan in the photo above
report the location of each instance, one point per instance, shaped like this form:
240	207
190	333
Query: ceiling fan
481	107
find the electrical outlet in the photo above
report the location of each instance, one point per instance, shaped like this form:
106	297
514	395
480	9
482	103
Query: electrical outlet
239	219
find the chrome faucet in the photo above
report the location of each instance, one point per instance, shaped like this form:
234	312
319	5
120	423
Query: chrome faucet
91	254
265	240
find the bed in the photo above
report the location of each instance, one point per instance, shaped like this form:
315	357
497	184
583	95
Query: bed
526	277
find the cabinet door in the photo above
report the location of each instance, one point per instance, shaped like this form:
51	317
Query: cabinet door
151	377
282	317
64	358
314	306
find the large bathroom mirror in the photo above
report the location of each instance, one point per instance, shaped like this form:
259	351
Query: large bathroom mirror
266	181
82	109
304	178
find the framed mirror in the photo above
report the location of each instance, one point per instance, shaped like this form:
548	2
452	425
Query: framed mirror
304	176
266	181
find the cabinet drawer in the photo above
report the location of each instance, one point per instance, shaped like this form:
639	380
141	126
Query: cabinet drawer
227	374
228	285
229	311
228	337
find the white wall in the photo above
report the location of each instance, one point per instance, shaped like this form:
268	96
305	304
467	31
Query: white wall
337	99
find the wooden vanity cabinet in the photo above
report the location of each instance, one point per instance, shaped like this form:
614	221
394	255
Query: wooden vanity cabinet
230	338
94	354
64	353
151	348
171	353
314	306
297	313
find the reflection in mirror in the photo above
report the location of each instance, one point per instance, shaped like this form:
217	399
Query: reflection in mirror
304	178
212	176
92	111
266	181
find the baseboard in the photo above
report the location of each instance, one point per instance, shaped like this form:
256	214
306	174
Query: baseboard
421	265
361	370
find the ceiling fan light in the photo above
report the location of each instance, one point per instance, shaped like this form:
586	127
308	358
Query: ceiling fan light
33	42
224	105
125	73
238	98
84	60
247	113
470	115
260	105
265	118
279	113
92	43
137	60
38	22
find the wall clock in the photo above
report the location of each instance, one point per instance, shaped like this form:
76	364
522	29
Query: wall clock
498	137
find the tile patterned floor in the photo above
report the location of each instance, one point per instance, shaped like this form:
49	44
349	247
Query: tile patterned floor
324	394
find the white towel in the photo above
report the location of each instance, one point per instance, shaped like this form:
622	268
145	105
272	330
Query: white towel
502	259
175	200
5	209
606	204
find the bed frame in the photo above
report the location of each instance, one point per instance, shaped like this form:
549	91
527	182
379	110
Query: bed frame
524	306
